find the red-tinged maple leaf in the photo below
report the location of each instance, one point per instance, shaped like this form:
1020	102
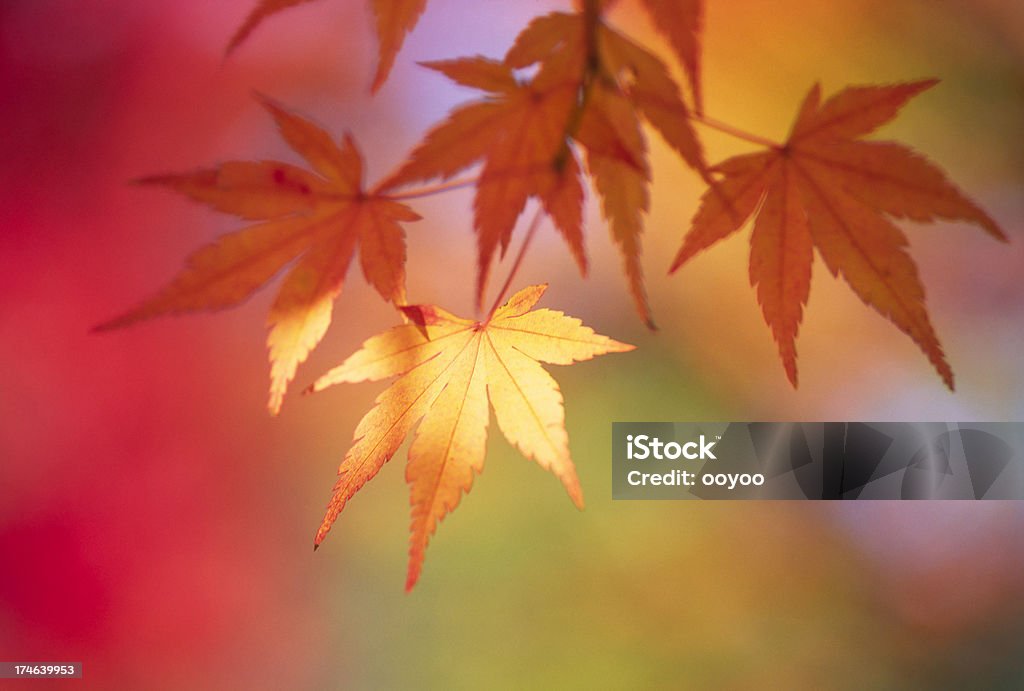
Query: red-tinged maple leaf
827	188
393	20
591	88
313	220
448	368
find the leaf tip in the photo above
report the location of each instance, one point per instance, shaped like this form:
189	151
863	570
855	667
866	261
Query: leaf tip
420	316
380	76
274	404
266	101
992	228
166	179
118	322
412	576
236	40
791	374
685	253
417	314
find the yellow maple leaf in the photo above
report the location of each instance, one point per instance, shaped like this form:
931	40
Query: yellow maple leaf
448	369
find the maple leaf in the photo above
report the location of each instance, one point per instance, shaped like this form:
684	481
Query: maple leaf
827	188
591	87
393	20
311	219
682	22
520	132
448	369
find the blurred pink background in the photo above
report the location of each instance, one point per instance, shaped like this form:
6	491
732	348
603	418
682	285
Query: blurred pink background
156	524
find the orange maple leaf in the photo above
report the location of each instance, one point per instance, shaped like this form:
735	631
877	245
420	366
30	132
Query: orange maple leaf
314	219
591	88
393	20
448	368
519	131
682	22
827	188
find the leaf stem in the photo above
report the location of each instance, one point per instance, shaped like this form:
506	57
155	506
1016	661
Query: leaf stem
440	188
531	231
734	131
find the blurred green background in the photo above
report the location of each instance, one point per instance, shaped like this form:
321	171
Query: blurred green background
157	525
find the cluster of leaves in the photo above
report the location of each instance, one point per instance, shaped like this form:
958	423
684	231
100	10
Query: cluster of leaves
589	89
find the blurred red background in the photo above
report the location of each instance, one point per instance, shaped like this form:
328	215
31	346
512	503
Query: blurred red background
156	524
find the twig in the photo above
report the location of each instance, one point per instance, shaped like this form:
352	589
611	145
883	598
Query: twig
734	131
434	189
531	231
